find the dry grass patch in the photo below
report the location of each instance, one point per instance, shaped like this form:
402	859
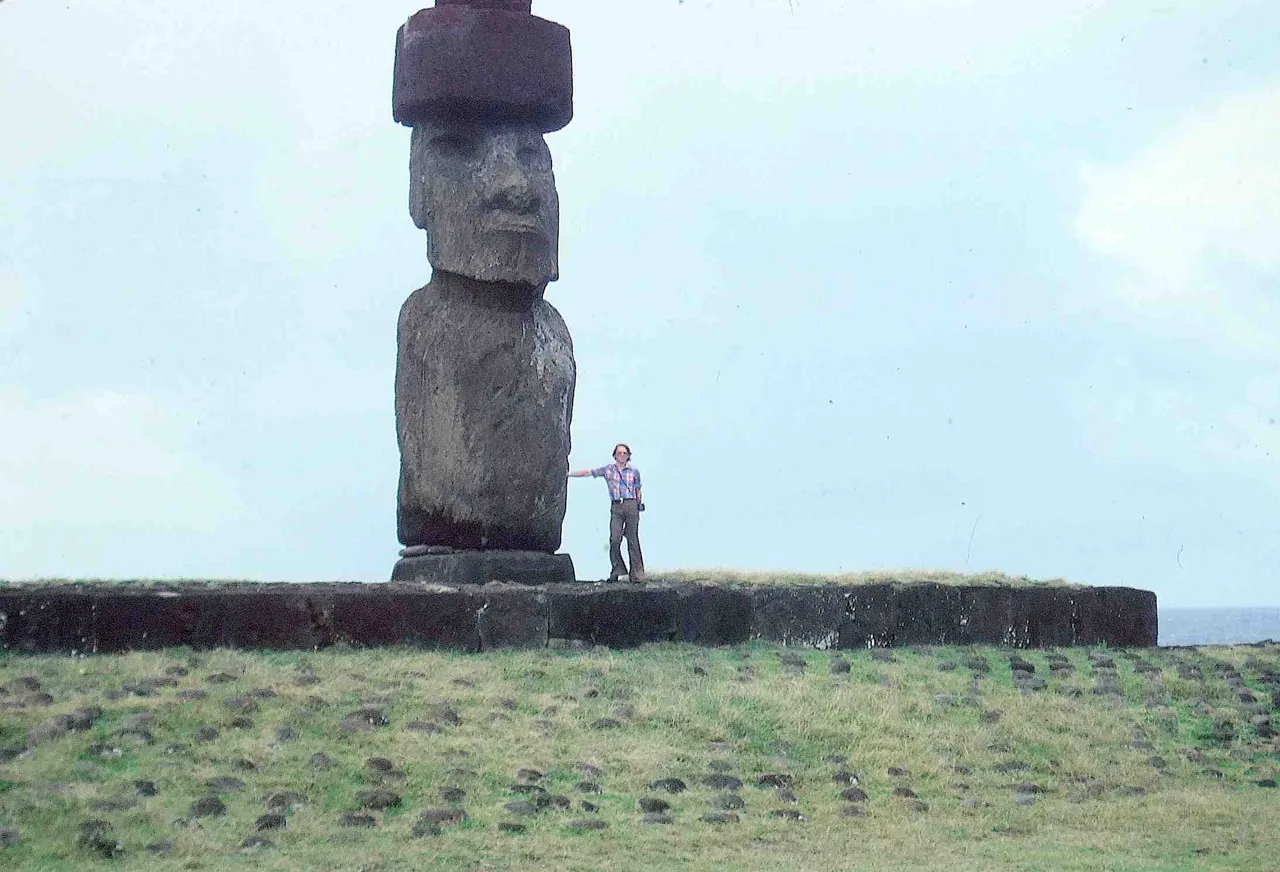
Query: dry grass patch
989	578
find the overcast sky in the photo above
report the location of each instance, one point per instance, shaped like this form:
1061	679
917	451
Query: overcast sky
866	285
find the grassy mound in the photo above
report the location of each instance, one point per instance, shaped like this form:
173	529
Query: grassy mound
944	758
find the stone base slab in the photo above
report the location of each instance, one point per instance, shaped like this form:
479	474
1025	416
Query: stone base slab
100	617
482	567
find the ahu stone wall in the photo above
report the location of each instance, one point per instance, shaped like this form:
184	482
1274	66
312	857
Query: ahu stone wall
88	618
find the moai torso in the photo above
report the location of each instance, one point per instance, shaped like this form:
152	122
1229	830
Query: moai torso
484	368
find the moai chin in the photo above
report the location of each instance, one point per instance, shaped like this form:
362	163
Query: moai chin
484	368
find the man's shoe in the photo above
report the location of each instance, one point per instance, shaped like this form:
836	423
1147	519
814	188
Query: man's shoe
638	576
612	579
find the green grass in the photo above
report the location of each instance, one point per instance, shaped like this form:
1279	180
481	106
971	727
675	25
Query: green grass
681	708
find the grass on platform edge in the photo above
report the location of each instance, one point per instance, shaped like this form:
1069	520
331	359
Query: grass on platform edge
716	576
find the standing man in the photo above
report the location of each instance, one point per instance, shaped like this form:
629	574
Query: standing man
624	515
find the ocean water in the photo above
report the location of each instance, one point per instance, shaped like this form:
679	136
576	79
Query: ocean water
1219	626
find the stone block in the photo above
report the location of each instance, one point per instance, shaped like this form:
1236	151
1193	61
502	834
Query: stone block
809	616
616	616
147	621
986	616
279	620
926	614
46	621
869	619
512	616
713	615
1117	616
483	567
426	617
1045	615
487	65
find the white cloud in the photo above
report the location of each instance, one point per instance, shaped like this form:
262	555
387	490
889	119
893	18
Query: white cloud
1192	221
98	462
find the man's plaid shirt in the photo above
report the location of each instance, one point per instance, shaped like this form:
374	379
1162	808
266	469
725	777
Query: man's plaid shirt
624	484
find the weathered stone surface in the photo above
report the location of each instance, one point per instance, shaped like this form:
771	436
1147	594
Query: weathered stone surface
713	615
1037	617
484	398
483	567
277	619
485	372
109	618
1115	615
483	65
525	6
139	622
870	620
45	620
614	616
809	616
427	618
986	614
487	198
469	617
512	616
926	614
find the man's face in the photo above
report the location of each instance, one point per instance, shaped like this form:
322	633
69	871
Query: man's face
486	196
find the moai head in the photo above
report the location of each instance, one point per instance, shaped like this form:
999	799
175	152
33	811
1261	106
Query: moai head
480	82
486	196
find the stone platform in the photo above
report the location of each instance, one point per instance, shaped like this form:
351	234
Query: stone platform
106	617
481	567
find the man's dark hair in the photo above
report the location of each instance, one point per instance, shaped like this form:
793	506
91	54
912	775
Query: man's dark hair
624	446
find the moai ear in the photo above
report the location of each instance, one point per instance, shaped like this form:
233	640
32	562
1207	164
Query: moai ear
483	61
417	181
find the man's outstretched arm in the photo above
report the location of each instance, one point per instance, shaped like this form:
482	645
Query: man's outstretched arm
582	473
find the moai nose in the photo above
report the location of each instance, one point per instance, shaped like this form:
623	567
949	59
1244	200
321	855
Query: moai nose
512	190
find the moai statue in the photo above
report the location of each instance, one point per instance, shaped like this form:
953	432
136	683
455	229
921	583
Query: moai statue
484	368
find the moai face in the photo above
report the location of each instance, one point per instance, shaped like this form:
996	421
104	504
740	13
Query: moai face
486	195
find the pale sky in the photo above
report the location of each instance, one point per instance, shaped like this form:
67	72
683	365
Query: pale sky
865	285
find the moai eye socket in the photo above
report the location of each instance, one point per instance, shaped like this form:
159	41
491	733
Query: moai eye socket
534	158
455	144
